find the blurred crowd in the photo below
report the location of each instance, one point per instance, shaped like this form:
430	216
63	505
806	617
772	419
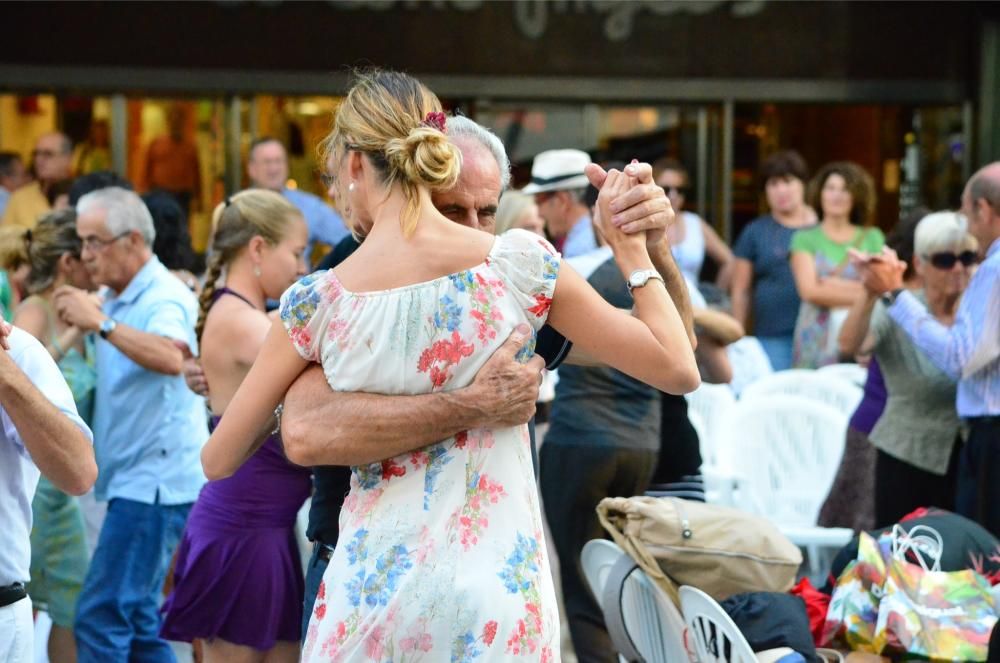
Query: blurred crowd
154	342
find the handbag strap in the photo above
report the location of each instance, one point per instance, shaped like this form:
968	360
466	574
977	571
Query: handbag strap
611	606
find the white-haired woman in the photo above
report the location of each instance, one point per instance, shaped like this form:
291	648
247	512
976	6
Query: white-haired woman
917	437
518	210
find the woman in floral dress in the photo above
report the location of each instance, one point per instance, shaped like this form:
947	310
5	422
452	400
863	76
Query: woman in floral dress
441	554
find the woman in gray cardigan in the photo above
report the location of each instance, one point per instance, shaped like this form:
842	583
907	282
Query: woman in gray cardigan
917	438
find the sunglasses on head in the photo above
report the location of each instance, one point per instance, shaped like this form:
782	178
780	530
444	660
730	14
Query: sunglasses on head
946	260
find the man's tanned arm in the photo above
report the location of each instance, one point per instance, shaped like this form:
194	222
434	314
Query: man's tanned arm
323	427
663	261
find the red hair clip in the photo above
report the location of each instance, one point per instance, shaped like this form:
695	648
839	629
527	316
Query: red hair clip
436	120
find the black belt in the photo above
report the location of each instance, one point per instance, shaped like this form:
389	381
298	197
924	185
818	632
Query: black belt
987	419
12	594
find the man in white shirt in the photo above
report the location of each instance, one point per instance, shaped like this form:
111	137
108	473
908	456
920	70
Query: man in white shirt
40	432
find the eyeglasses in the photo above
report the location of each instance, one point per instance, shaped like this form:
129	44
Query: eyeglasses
946	260
97	244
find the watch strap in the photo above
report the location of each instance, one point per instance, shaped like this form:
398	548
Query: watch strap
645	275
107	327
889	298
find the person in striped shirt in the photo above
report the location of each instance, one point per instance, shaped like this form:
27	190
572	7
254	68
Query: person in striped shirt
969	350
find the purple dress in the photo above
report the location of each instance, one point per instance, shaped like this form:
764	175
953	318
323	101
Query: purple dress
851	501
238	574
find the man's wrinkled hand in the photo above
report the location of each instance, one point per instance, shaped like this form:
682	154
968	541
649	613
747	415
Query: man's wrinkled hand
194	374
78	308
882	273
507	389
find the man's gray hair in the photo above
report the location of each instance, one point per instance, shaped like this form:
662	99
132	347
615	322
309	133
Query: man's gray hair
986	187
463	127
125	211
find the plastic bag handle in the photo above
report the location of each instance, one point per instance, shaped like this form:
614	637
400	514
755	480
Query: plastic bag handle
922	541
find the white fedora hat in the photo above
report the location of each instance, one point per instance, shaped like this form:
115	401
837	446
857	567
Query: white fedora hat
558	170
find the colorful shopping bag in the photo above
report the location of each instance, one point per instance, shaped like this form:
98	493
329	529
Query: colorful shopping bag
854	606
934	615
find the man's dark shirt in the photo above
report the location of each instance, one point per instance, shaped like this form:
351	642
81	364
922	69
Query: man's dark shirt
331	483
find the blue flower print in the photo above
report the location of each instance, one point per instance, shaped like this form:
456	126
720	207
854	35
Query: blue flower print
465	648
438	458
368	475
448	315
463	281
301	301
528	349
550	270
357	548
520	564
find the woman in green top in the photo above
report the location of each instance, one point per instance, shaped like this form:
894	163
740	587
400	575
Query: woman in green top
58	548
917	436
844	195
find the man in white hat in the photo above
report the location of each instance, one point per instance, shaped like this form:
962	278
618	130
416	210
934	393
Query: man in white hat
559	184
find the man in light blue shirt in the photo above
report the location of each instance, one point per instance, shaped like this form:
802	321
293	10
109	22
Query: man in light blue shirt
969	350
148	427
40	433
559	185
267	167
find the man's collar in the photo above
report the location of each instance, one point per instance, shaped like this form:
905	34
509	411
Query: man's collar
140	281
993	248
581	222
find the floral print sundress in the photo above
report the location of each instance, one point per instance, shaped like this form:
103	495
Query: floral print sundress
441	555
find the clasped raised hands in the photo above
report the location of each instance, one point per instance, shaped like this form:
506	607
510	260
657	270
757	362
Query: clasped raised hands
642	208
879	272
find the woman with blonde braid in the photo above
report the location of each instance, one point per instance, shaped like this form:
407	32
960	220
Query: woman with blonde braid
51	254
238	580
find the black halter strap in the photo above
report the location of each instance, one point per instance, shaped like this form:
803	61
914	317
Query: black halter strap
227	291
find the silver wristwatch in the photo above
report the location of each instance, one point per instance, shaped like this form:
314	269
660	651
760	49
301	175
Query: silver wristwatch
641	277
107	326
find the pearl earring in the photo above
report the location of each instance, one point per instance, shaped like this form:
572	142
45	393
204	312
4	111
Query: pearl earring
256	271
350	187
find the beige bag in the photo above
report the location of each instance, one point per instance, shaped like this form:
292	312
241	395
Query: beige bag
719	550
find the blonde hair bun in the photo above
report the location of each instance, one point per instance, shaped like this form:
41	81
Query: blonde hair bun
425	157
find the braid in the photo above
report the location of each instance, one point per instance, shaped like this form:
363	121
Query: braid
205	300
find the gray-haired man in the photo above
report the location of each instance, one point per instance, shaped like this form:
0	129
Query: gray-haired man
323	428
148	427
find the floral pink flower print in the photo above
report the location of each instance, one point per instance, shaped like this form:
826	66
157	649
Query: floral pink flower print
417	638
489	632
541	307
470	520
441	355
390	469
375	644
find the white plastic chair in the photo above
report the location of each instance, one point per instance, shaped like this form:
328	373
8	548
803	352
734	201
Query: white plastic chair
709	403
785	450
749	361
653	625
853	373
826	388
715	637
